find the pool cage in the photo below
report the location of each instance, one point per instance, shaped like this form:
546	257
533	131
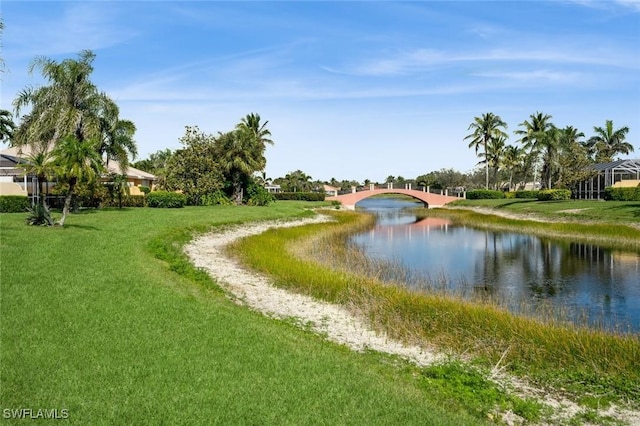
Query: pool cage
608	174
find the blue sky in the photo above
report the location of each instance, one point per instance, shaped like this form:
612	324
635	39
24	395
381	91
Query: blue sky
351	89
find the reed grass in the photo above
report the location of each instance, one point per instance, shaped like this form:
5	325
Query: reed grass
578	360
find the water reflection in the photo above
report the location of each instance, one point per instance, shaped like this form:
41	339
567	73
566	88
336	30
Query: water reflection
526	273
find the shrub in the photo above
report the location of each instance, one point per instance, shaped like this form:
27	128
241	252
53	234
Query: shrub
622	194
554	195
14	203
164	199
484	194
144	189
215	198
127	201
300	196
527	194
39	215
259	196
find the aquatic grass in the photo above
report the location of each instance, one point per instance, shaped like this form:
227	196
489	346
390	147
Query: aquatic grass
572	358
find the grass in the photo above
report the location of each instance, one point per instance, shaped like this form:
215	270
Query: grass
610	224
602	366
107	319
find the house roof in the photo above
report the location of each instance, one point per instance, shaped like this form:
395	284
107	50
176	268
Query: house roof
19	154
632	165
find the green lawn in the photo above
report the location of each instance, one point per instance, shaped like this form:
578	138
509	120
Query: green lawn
92	321
627	212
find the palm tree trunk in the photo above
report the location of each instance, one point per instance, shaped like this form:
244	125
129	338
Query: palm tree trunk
67	202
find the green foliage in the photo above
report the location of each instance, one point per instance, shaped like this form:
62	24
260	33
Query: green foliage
258	195
484	194
126	201
300	196
215	198
39	215
13	203
144	189
622	194
554	195
194	169
476	392
527	194
164	199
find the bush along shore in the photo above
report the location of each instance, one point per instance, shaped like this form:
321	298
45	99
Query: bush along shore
593	367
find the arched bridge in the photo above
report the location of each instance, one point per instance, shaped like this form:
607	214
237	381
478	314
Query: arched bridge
429	199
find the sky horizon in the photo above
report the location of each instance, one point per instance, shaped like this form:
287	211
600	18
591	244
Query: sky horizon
351	90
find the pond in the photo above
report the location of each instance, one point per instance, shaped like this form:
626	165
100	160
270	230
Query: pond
527	274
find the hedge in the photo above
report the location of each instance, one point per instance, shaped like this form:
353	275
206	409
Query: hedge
554	194
164	199
527	194
14	203
484	194
622	194
127	201
300	196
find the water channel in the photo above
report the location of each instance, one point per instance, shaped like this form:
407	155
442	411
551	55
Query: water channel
581	282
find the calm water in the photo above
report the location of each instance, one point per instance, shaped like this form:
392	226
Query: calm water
523	271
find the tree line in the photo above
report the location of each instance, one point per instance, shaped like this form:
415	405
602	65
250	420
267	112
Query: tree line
560	157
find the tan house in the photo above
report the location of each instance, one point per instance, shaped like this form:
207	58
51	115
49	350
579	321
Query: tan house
331	191
12	172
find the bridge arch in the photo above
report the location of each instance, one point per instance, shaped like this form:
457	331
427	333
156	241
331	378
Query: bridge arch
430	200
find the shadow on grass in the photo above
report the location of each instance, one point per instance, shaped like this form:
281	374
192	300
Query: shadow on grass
85	227
511	203
631	209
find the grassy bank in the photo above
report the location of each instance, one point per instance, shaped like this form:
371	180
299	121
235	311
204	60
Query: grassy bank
107	319
595	366
611	224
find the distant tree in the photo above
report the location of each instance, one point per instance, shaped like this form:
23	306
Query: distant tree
156	164
607	142
239	155
512	161
75	161
486	128
297	181
534	137
194	169
573	159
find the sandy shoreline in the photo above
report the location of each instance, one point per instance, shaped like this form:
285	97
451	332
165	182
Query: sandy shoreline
335	322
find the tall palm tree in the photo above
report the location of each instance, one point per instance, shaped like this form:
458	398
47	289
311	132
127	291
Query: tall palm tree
39	162
239	156
75	161
608	142
6	126
532	136
494	156
250	124
512	159
486	128
69	105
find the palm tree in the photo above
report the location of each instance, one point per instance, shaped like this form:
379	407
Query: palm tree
608	142
511	160
493	156
69	105
250	124
239	156
531	137
75	161
39	163
485	128
117	136
6	126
